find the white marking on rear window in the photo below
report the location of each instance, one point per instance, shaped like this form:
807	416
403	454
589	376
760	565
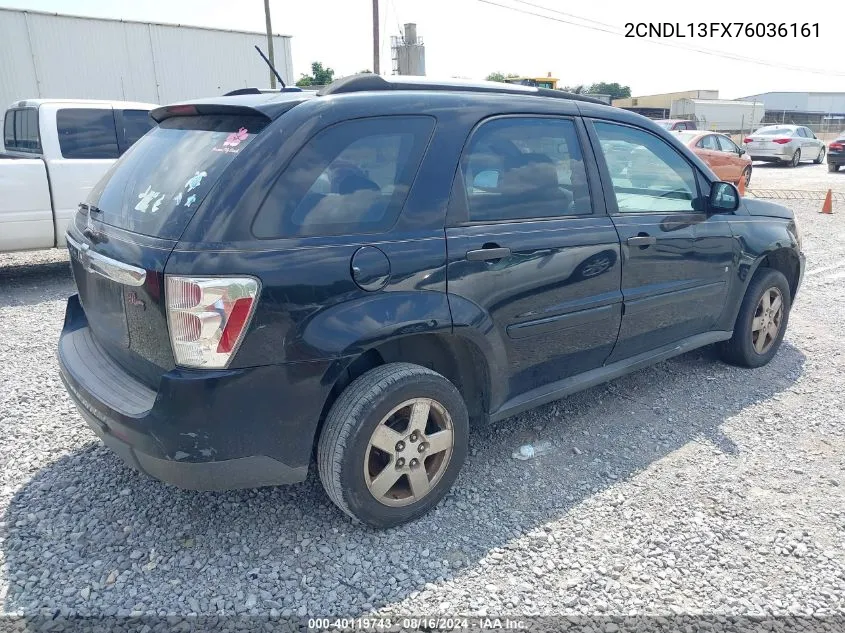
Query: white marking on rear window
146	197
195	180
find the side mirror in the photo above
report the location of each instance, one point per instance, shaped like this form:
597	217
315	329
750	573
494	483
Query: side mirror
724	197
741	151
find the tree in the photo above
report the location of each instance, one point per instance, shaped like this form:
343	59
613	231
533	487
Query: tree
576	90
615	90
319	76
500	77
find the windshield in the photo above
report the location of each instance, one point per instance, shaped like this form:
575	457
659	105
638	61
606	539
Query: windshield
156	187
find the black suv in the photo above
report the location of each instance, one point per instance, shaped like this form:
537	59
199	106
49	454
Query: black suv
361	273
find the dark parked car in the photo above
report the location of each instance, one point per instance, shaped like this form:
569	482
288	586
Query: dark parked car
363	273
836	153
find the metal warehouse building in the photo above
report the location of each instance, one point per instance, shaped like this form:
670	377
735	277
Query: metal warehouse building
802	108
61	56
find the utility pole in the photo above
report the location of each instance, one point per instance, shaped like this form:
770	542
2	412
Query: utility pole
269	41
376	42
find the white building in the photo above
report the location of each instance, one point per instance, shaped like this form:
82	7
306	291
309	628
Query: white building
785	104
61	56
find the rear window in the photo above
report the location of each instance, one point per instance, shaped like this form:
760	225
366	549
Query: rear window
87	133
774	131
686	137
20	130
352	177
666	125
157	185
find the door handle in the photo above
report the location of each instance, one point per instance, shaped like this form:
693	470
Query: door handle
643	241
488	253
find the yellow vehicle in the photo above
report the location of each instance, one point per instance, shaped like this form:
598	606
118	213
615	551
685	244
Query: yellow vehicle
539	82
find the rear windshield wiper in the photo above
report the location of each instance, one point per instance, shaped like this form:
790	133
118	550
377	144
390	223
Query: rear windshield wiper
90	207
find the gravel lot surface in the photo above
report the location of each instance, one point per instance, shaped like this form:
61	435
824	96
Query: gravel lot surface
690	487
806	176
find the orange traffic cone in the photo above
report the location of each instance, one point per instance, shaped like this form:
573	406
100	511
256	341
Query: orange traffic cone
827	207
741	185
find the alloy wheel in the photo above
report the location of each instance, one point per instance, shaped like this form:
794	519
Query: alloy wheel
767	321
408	452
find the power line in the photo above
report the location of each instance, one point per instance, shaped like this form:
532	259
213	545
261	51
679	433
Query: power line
750	60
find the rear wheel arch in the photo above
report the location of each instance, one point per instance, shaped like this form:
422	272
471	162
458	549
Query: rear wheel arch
455	357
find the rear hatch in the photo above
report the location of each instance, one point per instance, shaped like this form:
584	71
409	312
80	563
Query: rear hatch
124	233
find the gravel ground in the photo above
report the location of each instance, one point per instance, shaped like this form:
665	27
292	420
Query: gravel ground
690	487
806	176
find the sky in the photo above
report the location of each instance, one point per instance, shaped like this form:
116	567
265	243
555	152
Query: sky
580	43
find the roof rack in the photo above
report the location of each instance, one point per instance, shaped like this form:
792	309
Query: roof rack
260	91
376	83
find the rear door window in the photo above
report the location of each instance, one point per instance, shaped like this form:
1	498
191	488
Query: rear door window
523	167
709	142
134	124
352	177
87	133
157	185
20	130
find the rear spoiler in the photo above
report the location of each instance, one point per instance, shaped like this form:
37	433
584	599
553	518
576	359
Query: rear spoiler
260	91
194	109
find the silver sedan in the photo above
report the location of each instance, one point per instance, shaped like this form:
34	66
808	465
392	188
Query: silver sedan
785	144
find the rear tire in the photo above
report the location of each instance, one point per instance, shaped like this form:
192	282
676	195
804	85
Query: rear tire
820	158
832	168
796	158
373	431
745	348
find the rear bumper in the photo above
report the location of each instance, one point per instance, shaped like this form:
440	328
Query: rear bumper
783	153
201	429
836	159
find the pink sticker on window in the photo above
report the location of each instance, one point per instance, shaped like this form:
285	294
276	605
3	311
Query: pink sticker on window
235	138
232	141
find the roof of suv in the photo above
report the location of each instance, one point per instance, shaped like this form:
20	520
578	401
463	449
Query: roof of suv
274	104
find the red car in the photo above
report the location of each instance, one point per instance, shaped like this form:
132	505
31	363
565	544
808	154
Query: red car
673	125
729	161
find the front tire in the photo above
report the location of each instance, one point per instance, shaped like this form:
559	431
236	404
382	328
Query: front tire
393	444
796	158
820	158
761	322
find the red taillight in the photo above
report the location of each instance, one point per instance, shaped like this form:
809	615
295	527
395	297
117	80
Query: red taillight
837	146
207	317
234	325
781	141
748	140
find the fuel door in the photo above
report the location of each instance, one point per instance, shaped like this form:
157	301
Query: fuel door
370	268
